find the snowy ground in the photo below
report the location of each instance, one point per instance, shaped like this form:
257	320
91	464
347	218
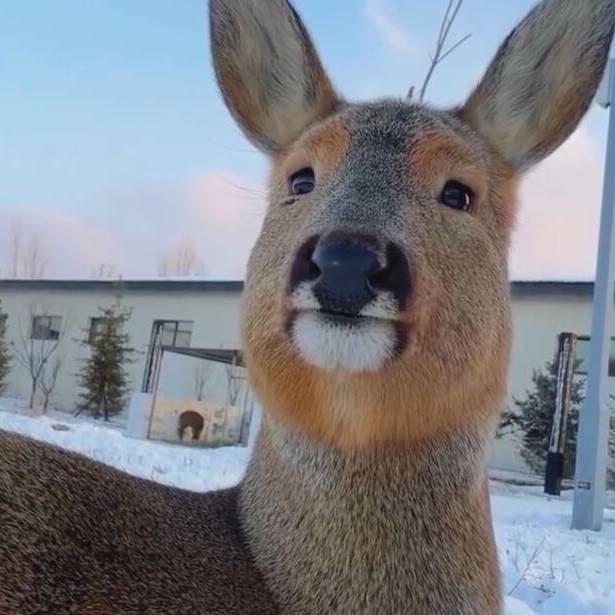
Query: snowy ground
548	568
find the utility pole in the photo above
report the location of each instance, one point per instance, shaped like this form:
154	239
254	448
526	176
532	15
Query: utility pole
592	444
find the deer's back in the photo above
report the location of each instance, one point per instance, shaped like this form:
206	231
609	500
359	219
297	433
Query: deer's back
77	536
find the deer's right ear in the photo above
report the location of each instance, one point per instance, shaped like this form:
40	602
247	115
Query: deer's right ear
543	79
268	70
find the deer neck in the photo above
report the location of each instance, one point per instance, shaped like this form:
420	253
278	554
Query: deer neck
384	531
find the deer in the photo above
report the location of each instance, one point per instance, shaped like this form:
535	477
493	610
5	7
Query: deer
376	328
190	419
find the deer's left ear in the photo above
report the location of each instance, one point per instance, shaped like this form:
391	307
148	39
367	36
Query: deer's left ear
543	79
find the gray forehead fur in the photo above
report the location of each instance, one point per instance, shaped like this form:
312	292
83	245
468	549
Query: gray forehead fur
374	181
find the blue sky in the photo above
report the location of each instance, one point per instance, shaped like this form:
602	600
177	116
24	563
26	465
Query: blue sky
114	143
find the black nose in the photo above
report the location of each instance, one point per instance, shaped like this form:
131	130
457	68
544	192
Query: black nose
347	272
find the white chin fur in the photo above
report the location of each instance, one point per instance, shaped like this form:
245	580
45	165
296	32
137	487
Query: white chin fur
330	345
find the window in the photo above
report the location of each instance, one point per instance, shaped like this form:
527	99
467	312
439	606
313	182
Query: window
98	325
582	356
175	333
46	327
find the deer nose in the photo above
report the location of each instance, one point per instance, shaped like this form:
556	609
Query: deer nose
347	272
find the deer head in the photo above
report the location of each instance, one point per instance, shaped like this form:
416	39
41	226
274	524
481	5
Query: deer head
376	306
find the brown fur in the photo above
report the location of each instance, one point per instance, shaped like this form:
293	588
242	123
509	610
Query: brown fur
191	419
80	537
367	492
364	536
323	147
436	157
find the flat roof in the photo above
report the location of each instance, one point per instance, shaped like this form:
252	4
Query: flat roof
170	285
518	288
217	355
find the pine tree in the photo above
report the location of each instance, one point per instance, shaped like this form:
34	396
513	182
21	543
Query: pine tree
532	418
5	356
104	375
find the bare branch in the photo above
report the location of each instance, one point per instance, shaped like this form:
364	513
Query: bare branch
232	383
104	271
15	254
450	22
529	563
457	44
452	11
201	375
34	355
26	254
182	260
441	35
48	380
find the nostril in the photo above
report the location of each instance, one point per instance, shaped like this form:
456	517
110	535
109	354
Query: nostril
394	277
314	271
304	268
379	280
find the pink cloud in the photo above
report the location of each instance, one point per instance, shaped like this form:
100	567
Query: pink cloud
217	213
557	230
220	215
69	245
227	214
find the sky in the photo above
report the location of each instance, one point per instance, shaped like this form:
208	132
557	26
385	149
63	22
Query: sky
115	146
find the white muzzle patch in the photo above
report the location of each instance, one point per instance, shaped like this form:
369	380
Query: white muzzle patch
358	344
332	344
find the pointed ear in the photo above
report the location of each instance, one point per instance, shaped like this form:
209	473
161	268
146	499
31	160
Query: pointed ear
543	79
268	70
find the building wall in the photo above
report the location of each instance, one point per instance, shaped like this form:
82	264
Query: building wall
540	313
215	315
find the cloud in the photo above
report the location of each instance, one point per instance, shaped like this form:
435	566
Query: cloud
557	230
217	213
396	39
227	214
69	244
220	214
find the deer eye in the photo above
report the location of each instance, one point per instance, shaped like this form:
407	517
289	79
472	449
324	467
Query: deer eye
303	181
457	195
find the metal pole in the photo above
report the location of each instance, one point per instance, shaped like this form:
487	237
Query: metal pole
590	474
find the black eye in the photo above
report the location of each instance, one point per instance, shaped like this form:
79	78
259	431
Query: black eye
457	196
303	181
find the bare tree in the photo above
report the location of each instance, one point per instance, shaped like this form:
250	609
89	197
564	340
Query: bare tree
440	54
35	349
201	375
33	260
48	379
26	254
15	250
181	260
233	379
104	271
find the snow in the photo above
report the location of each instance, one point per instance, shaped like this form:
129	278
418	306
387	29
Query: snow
547	567
181	466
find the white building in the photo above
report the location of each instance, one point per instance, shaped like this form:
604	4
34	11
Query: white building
205	314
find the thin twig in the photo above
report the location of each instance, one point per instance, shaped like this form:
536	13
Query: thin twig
452	11
457	44
527	567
